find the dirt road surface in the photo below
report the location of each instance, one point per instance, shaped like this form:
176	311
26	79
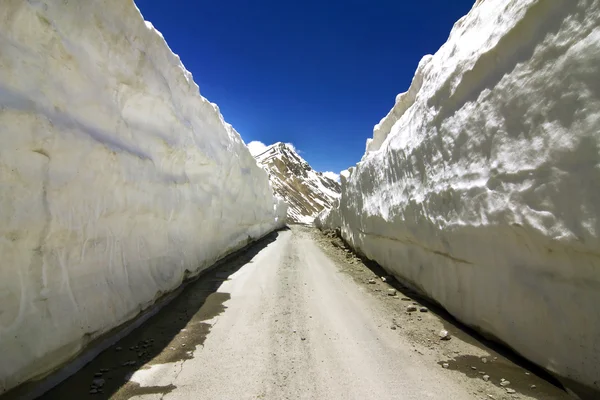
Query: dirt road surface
298	316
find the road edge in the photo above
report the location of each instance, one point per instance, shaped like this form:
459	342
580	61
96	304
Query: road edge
35	388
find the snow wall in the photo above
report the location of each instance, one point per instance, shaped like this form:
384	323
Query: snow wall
117	179
481	187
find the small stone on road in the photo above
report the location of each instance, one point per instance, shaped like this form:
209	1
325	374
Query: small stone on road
98	382
444	335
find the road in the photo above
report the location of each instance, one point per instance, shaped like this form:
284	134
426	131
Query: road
281	322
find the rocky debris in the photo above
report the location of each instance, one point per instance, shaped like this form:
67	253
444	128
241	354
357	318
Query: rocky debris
98	374
423	309
371	281
391	292
98	383
431	325
118	349
96	386
510	391
302	338
444	335
504	383
411	308
532	387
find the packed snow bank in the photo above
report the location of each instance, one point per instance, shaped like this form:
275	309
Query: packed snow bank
117	179
281	210
484	192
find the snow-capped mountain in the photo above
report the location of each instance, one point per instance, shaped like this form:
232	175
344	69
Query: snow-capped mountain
306	191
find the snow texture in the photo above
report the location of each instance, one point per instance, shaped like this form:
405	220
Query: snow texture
117	179
481	187
306	191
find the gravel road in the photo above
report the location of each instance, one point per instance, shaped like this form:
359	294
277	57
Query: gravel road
295	317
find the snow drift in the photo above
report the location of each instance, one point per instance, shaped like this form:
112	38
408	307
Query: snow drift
481	187
117	179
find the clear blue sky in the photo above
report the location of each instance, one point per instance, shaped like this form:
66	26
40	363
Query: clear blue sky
318	74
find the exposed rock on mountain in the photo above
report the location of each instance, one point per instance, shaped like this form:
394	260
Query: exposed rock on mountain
306	191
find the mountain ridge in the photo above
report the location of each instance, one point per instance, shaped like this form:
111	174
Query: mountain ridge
307	192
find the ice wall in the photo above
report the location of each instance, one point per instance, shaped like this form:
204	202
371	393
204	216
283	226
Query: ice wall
482	186
117	179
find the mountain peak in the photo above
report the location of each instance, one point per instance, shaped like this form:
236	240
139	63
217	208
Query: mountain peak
306	191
